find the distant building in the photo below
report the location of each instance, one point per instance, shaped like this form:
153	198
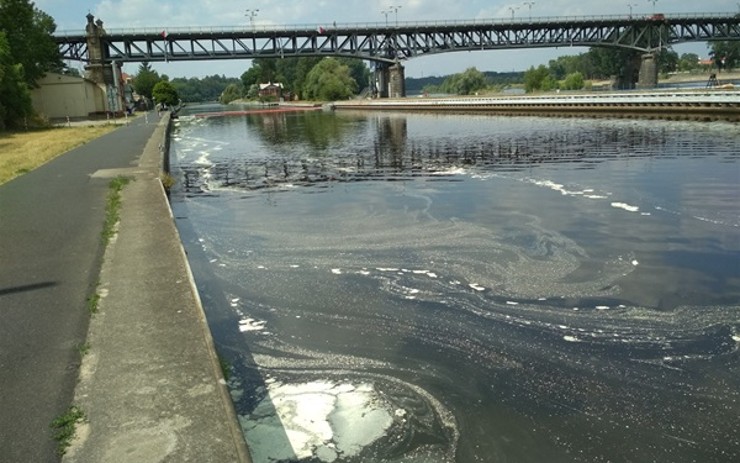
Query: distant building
271	89
60	96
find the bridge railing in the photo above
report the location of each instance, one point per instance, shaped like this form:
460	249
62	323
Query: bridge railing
388	25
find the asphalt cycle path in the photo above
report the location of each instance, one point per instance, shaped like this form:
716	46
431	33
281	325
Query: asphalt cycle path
51	221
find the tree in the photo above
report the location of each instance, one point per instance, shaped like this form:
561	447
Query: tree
539	79
688	62
145	80
358	70
164	92
231	92
726	55
667	61
28	31
329	80
465	83
15	98
573	81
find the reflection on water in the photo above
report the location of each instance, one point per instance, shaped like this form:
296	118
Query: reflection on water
432	288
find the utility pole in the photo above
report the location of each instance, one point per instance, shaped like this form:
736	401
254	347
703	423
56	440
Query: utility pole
513	9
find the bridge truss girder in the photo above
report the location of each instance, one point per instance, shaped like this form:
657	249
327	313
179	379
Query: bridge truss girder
393	43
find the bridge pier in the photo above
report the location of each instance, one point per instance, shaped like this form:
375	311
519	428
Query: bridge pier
648	76
390	81
104	73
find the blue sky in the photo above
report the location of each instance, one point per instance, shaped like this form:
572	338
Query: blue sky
70	15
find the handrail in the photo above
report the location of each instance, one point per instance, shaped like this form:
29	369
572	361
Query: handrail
392	25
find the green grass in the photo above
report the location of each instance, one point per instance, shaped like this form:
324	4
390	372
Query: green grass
83	348
113	207
92	303
225	367
64	427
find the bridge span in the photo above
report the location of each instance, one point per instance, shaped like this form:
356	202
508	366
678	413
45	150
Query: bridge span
388	45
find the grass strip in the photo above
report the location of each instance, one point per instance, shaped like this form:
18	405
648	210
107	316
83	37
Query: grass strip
113	207
21	152
64	427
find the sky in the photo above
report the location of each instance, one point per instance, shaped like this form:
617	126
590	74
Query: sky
118	14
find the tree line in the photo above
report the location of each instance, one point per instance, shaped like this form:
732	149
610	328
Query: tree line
27	52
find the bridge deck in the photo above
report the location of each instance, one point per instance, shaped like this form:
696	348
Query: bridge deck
403	40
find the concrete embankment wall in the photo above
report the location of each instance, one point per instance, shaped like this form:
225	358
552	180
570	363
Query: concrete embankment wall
704	105
151	386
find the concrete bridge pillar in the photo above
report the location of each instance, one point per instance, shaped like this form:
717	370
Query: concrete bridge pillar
397	84
389	81
382	74
96	54
648	77
105	73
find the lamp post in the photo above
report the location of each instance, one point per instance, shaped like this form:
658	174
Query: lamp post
653	2
513	9
251	14
395	10
630	5
385	12
529	6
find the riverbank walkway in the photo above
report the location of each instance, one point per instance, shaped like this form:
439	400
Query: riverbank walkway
143	368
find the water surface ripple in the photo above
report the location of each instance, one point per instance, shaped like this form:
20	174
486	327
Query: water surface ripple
461	288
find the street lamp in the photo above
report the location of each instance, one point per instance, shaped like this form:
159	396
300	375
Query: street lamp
529	6
385	12
513	9
395	10
630	5
653	2
251	14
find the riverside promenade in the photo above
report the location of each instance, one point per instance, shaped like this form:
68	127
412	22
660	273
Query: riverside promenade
143	368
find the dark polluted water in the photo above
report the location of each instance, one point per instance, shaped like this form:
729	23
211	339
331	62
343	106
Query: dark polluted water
460	288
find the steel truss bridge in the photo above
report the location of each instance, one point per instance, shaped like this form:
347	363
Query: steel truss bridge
397	41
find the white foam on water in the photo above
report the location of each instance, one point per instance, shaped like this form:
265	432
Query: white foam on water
294	266
736	338
250	324
625	206
323	420
512	303
477	287
336	271
602	307
386	269
451	171
635	262
571	338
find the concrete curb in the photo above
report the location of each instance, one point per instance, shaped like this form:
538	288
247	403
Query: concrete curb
151	386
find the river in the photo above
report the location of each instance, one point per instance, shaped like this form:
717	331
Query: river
391	287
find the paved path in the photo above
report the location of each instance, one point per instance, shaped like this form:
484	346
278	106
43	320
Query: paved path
149	384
